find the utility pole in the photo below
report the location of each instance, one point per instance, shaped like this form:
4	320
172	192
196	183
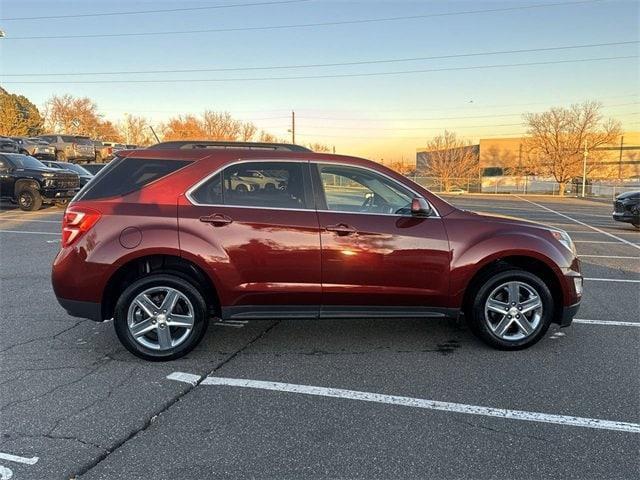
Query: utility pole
620	159
293	127
584	168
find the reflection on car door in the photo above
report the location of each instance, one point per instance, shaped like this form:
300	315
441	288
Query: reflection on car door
377	259
261	238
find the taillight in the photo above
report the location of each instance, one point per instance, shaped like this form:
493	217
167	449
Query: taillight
76	222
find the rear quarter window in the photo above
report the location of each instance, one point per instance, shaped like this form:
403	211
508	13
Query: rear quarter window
126	175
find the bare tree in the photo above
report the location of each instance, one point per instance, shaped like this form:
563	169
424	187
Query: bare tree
319	147
557	139
450	158
135	130
209	126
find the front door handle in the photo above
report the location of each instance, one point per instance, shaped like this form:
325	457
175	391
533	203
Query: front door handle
216	219
341	229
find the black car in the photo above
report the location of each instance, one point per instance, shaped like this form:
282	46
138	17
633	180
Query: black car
8	145
94	168
626	208
26	181
82	172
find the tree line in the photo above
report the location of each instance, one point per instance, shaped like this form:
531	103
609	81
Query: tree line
66	114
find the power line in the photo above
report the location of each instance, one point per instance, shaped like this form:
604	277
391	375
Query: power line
166	10
302	25
308	77
317	65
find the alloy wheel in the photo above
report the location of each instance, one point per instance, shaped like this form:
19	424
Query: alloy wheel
160	318
513	310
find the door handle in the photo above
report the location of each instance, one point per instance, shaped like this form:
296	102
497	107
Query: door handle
216	219
341	229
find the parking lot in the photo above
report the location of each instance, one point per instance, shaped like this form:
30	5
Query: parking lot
349	399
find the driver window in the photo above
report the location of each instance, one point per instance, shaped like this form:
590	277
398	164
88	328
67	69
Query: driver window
353	189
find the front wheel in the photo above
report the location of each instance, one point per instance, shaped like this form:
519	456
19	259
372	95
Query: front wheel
511	310
29	199
160	317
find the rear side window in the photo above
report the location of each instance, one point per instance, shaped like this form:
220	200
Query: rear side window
125	175
258	184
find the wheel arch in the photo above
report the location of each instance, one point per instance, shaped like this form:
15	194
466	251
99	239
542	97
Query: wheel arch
25	183
158	263
528	263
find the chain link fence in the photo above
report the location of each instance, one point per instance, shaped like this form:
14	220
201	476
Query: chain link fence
527	185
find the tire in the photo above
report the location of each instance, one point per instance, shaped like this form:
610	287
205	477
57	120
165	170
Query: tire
29	199
62	203
242	188
501	329
149	345
61	156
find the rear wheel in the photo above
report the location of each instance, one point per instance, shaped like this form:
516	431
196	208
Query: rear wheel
29	199
160	317
511	310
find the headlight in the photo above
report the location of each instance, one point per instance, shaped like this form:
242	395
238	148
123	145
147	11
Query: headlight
48	175
564	238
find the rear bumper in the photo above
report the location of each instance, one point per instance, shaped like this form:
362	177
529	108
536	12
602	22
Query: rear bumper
75	308
568	313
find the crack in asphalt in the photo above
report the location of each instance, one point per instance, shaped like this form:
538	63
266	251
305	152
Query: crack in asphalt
48	337
167	405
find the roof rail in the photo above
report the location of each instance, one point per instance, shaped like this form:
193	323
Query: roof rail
193	144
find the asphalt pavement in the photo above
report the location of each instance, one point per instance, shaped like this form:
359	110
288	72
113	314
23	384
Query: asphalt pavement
325	399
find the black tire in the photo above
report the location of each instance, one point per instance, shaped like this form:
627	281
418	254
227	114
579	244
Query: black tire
242	188
29	199
61	156
481	326
635	223
200	311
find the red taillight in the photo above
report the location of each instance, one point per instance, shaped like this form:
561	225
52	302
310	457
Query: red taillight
76	222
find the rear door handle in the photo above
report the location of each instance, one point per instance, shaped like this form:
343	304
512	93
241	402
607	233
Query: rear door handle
341	229
216	219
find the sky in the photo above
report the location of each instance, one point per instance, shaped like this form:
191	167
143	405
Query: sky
384	116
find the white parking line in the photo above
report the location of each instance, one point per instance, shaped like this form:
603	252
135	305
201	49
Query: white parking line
614	323
612	280
634	245
12	219
17	459
185	377
608	256
595	241
26	232
566	420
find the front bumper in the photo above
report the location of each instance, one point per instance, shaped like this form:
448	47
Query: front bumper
626	217
568	313
54	194
76	308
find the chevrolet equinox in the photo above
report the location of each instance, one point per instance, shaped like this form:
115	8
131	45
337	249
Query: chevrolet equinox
166	238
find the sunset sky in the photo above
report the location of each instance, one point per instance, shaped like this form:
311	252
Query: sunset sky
377	116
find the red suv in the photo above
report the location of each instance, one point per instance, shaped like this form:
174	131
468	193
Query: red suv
163	239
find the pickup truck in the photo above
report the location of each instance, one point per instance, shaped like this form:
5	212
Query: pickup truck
27	182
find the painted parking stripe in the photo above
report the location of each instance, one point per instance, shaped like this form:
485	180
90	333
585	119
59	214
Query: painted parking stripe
622	280
613	323
17	459
27	232
12	219
608	256
595	241
634	245
185	377
565	420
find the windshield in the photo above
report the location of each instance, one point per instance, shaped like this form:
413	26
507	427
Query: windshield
25	161
75	168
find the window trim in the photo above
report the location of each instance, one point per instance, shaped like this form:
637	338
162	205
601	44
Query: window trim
313	193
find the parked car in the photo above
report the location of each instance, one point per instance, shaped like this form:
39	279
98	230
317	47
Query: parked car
71	148
84	174
161	242
626	208
25	180
35	147
8	145
94	168
457	191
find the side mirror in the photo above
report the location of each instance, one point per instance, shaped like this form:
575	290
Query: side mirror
419	206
